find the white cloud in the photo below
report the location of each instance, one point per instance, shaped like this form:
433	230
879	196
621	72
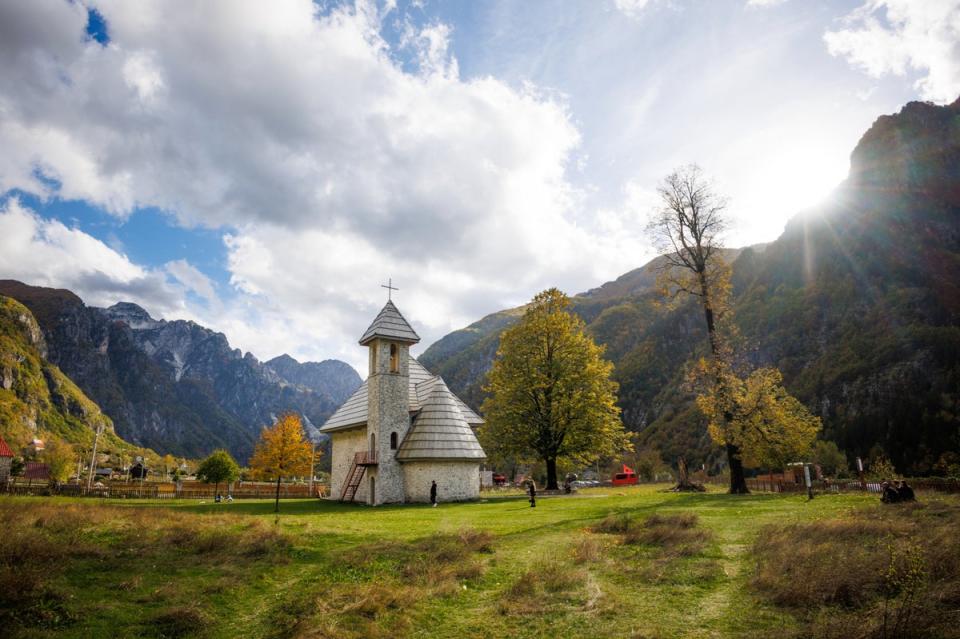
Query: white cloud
900	36
331	167
48	253
632	8
764	3
193	280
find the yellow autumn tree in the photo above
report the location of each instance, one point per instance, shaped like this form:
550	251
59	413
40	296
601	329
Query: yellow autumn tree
282	452
60	457
551	396
758	415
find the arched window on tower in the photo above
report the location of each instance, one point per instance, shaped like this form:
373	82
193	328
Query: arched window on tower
393	441
394	359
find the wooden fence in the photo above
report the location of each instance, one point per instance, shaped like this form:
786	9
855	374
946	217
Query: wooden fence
850	486
158	490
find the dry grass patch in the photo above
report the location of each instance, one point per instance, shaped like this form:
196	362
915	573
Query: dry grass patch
357	611
42	541
406	574
177	623
673	535
438	562
547	586
889	572
587	550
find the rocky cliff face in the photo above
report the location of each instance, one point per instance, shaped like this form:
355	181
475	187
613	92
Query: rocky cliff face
330	377
173	386
858	304
36	398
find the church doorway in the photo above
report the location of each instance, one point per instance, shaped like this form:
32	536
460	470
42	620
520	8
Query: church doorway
373	491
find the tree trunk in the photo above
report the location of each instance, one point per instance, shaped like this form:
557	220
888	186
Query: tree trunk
276	502
738	483
551	474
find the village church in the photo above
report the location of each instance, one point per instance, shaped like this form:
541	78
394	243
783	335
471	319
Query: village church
402	429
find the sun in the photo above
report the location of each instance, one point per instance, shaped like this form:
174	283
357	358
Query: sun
786	180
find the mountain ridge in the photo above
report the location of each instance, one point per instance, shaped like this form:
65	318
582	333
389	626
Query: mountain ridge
857	303
172	385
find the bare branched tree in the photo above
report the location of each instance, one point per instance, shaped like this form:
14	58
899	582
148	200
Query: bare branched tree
687	230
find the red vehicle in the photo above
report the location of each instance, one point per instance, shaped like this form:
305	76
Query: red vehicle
626	477
499	480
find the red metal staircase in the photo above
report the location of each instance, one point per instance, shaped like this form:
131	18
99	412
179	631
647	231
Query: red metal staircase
355	476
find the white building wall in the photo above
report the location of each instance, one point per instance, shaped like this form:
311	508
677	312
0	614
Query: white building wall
344	445
456	481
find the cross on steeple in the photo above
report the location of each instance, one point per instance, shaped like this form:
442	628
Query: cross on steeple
390	288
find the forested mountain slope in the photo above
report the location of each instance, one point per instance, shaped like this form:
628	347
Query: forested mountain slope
857	303
36	399
176	386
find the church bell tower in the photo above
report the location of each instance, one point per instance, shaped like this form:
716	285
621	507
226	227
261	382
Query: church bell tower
388	410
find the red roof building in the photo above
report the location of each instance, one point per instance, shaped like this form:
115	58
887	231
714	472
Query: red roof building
5	449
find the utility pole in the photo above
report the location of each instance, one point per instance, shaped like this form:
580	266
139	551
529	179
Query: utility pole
313	459
93	457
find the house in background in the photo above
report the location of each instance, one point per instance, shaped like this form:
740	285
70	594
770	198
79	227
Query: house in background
6	461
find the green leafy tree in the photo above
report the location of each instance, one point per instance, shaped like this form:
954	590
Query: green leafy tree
551	396
648	464
882	468
830	458
769	427
60	457
218	467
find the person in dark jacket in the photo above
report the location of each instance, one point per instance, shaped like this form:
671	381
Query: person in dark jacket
433	493
532	491
906	492
889	493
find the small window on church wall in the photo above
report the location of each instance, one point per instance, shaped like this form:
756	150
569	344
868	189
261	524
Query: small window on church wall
394	359
393	441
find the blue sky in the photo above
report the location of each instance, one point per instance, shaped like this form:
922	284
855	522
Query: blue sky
262	167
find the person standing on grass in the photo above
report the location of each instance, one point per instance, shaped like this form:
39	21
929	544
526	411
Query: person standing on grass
532	490
433	493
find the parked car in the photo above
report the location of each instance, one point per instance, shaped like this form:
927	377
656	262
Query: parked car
624	479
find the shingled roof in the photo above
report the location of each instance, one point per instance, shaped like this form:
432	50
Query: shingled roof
390	324
353	412
440	432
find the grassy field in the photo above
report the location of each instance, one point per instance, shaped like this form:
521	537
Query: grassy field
633	562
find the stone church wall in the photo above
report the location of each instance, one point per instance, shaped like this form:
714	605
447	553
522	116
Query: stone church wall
456	481
345	444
